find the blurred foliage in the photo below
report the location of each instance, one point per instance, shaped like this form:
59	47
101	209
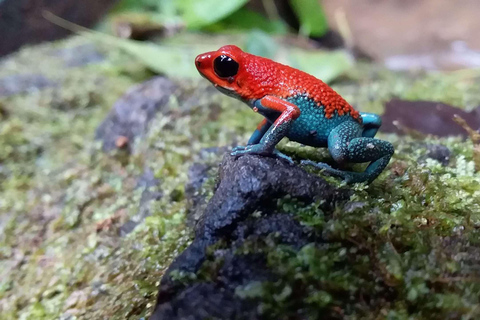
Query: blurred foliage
175	59
208	20
324	65
228	15
245	19
312	18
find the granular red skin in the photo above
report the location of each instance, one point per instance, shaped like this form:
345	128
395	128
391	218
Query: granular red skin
258	77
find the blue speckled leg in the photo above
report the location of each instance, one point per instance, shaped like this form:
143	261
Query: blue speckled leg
266	145
258	134
346	144
287	113
371	124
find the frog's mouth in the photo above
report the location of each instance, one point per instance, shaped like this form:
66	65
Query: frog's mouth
227	91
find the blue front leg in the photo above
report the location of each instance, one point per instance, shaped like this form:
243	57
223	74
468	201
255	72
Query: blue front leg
287	113
258	134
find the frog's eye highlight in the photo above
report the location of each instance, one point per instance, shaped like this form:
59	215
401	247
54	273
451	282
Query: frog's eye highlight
225	66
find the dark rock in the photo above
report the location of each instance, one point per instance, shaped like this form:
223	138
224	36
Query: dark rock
239	270
246	185
253	182
205	301
438	152
460	249
131	114
24	83
427	117
286	228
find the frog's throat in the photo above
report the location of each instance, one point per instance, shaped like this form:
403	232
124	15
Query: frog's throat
229	92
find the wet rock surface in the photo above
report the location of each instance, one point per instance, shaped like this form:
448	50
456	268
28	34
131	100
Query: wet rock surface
242	211
197	175
131	114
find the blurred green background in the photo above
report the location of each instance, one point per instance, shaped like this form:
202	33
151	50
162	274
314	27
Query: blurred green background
167	35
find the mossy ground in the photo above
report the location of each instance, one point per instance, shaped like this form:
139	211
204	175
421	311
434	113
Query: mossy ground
405	247
62	202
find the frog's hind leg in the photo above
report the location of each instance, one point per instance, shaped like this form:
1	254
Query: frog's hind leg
371	124
346	143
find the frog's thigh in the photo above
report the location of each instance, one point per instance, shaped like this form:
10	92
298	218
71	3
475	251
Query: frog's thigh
339	140
346	144
371	124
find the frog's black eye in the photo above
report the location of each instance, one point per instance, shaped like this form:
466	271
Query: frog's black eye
225	66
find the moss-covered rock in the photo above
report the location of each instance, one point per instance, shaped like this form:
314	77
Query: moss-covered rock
89	234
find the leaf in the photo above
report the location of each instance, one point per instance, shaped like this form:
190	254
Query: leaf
313	21
323	65
174	61
197	13
171	61
136	5
261	44
194	13
245	19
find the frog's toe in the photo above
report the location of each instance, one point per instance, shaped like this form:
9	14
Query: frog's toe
237	148
347	176
240	150
325	167
319	165
283	156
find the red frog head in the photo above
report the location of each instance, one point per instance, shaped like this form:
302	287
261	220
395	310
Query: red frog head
223	68
243	75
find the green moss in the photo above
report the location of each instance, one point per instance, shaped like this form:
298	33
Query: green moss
63	203
397	248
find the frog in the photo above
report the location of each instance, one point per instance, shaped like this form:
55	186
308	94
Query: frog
300	107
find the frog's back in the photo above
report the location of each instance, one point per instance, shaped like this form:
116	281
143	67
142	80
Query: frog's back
311	95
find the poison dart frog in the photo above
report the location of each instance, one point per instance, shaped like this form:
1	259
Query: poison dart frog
298	106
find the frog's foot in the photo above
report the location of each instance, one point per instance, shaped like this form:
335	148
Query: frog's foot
258	150
283	156
349	142
238	150
347	176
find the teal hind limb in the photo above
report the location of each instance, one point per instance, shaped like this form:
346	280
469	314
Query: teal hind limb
371	124
346	143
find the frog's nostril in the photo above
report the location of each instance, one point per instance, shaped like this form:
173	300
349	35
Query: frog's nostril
198	63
